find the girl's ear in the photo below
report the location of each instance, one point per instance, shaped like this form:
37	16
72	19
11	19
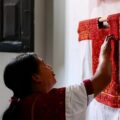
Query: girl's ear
36	78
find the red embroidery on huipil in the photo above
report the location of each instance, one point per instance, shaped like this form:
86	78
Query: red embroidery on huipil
84	29
111	95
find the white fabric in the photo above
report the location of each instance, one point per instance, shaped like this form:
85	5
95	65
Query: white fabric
76	102
104	7
85	60
99	111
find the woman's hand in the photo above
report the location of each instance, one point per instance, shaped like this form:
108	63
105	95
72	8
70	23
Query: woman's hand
106	48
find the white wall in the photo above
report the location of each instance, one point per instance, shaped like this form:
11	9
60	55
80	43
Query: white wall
40	27
66	16
59	41
75	11
49	32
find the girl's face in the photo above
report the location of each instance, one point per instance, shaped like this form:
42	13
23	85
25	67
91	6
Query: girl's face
46	76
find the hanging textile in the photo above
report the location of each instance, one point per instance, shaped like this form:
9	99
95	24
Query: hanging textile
91	29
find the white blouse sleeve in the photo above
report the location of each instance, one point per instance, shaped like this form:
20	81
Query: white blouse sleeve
76	101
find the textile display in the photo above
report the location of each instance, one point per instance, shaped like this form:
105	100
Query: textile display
93	30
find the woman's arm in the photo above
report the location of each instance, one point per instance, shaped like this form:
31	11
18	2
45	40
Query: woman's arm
102	76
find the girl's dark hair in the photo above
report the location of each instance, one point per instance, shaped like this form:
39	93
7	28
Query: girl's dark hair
18	78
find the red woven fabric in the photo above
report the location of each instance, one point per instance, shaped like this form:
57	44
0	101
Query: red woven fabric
111	95
49	106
